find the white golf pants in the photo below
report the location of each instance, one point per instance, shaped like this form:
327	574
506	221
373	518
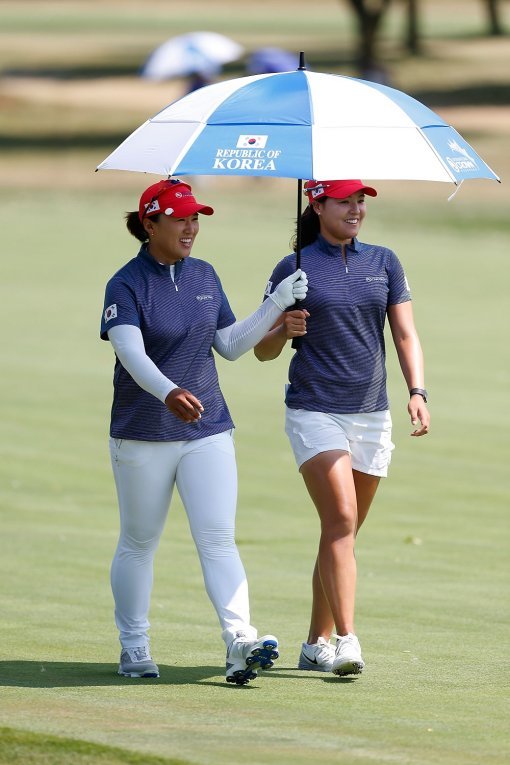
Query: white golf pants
205	473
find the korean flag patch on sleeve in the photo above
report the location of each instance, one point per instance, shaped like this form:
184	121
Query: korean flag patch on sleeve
110	313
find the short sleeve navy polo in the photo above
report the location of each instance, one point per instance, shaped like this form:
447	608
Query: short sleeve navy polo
340	365
178	318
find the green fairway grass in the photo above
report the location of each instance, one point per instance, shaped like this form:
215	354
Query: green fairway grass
432	605
432	575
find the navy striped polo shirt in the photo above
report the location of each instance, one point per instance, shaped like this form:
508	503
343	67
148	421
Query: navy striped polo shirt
340	363
178	320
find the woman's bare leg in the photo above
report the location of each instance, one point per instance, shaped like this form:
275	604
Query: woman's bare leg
342	497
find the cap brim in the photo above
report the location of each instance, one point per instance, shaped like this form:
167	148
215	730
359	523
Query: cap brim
347	191
184	210
205	210
340	190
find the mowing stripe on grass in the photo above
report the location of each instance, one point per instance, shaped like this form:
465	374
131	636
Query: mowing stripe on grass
18	747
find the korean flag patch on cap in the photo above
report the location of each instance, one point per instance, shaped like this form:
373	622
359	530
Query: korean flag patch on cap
110	312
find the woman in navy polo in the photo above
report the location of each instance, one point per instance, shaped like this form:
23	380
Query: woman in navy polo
337	412
164	312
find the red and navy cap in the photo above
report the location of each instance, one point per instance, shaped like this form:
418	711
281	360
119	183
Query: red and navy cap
171	197
336	189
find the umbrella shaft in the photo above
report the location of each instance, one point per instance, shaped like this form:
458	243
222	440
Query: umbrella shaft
298	225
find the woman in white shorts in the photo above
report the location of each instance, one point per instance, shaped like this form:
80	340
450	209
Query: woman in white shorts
337	411
164	313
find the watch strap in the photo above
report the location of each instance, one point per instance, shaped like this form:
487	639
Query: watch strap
419	392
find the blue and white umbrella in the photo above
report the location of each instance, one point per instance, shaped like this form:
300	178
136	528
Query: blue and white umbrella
304	125
300	124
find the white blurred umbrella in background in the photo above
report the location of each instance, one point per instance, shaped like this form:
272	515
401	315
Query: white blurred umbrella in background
201	53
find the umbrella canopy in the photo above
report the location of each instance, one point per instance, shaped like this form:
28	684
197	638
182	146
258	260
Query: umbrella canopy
194	53
299	124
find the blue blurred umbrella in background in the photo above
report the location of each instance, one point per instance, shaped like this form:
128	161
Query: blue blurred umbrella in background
267	60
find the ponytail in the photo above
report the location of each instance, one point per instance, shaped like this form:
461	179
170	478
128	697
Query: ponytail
310	228
135	227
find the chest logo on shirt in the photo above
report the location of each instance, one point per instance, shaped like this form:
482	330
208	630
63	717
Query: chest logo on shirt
110	312
375	278
204	297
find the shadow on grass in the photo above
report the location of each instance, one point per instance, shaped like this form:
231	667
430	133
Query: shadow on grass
296	674
60	674
85	72
63	141
324	60
479	94
98	71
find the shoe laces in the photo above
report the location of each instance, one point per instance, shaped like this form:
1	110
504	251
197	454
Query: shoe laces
324	650
240	642
140	653
349	638
324	647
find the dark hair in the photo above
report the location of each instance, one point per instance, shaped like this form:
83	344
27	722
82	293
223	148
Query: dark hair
135	226
310	226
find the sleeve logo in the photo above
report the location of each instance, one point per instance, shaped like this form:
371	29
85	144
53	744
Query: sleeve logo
110	312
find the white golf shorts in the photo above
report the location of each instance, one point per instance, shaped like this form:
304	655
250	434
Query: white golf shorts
366	436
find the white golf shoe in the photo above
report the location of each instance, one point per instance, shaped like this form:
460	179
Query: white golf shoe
317	657
137	662
245	655
347	659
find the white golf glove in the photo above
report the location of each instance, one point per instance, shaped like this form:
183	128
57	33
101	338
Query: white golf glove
293	288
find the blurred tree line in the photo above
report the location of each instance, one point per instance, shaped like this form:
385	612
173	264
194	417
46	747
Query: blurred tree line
370	13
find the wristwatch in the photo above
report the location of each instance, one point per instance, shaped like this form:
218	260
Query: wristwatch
419	392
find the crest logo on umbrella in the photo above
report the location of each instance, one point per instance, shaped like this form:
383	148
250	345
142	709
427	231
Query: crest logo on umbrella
460	164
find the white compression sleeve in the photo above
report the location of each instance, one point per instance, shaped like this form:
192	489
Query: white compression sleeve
127	342
231	342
